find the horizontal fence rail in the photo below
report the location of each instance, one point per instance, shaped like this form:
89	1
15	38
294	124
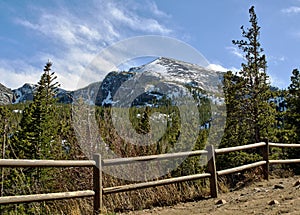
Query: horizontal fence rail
241	168
284	145
45	197
97	164
45	163
14	163
284	161
136	186
119	161
239	148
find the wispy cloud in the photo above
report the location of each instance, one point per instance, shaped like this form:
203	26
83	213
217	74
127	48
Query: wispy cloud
276	59
77	36
291	10
14	72
136	22
235	51
220	68
156	11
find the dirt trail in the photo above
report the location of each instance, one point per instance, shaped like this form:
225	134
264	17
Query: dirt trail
253	199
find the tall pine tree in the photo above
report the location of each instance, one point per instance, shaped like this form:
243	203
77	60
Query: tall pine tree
250	116
293	106
38	136
292	119
253	87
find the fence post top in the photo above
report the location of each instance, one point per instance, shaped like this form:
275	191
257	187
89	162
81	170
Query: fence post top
210	146
266	140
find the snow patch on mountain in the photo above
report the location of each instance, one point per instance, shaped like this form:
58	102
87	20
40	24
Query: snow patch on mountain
24	93
154	66
181	72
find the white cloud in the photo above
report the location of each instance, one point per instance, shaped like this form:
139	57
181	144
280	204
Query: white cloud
291	10
64	29
274	80
276	59
154	9
235	51
136	22
27	24
217	67
15	73
220	68
77	36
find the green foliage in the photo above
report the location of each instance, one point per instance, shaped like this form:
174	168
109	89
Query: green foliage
167	118
144	126
5	129
292	121
293	106
38	134
250	116
253	86
36	138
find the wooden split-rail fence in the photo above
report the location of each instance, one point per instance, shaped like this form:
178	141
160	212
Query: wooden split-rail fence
97	164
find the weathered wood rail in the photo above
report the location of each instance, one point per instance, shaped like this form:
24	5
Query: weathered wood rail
97	164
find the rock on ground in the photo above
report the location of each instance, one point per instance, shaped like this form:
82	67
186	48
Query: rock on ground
253	199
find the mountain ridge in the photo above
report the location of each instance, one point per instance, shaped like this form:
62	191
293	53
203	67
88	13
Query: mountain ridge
171	70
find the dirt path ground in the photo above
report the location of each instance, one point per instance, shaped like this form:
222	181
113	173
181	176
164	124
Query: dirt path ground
253	199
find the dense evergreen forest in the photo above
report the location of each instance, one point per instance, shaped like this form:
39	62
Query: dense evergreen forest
43	129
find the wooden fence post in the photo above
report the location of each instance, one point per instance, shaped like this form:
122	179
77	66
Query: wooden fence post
266	158
212	170
97	183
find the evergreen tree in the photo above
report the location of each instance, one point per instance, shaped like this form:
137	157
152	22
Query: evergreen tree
253	87
144	126
250	115
250	106
38	135
293	106
292	122
37	138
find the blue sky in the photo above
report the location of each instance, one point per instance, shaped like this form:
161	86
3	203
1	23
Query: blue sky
72	33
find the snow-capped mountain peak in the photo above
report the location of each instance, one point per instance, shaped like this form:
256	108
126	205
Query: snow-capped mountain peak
163	71
183	72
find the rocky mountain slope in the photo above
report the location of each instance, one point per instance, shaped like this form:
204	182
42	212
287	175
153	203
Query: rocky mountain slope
6	95
163	76
183	72
26	92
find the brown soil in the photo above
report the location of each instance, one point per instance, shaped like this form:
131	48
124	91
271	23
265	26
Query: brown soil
253	199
